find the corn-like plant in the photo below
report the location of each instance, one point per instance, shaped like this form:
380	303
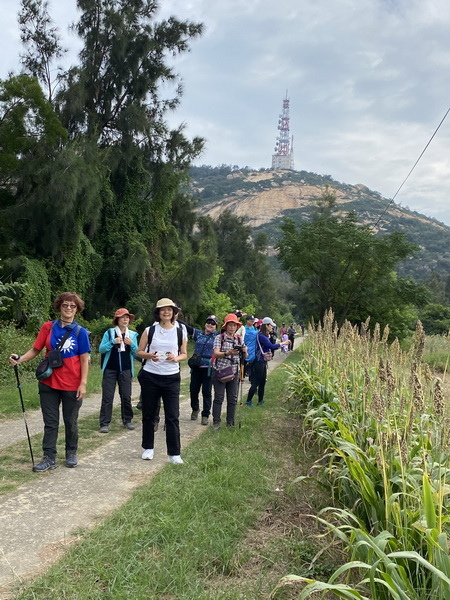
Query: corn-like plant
379	416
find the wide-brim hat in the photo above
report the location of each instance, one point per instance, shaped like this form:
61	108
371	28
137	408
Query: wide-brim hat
231	318
268	321
163	302
121	312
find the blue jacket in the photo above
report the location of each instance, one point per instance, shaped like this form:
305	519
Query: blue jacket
251	333
266	346
108	343
204	345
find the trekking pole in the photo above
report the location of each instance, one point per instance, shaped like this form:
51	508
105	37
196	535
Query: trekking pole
16	371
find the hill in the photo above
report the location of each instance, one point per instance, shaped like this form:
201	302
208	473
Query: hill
266	197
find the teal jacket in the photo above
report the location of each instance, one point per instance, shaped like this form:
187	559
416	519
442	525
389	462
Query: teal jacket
108	343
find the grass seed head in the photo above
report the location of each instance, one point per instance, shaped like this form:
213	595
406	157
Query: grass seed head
438	398
419	403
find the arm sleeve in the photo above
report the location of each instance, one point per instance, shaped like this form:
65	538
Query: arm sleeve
190	330
266	344
42	336
107	342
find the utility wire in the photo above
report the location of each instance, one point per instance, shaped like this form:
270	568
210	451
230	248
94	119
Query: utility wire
412	168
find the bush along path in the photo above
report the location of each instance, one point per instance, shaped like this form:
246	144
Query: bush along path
47	515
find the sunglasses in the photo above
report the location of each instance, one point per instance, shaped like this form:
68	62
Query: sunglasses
71	306
211	323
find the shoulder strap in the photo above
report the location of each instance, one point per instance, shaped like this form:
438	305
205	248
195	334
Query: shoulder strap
180	338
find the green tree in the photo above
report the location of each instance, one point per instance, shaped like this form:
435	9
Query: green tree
246	277
341	265
41	41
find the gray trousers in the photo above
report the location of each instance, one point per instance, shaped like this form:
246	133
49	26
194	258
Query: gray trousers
109	381
231	389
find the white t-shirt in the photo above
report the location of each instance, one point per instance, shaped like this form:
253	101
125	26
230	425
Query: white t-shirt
164	341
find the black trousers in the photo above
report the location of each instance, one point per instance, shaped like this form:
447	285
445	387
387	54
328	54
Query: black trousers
155	388
123	379
258	380
200	380
50	400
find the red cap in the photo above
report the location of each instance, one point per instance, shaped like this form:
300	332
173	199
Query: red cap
121	312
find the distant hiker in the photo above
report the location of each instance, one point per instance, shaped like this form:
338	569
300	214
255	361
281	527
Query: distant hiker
229	349
250	341
283	330
285	349
291	334
65	385
264	347
162	347
118	347
200	365
241	329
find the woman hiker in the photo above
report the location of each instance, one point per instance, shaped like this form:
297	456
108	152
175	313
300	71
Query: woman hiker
118	346
229	350
162	350
258	375
66	385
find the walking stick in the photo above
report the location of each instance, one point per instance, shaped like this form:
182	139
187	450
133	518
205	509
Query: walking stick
16	371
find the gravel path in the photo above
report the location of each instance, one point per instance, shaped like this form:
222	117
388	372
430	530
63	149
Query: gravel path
38	520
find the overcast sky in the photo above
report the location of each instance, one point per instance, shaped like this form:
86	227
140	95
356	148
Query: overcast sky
368	83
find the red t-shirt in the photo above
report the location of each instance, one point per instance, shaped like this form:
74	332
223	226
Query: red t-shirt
68	376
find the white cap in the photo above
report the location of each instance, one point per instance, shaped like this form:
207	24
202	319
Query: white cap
268	321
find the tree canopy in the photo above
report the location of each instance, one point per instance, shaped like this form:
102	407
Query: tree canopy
341	265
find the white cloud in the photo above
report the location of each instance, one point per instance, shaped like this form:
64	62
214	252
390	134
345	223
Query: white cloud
367	80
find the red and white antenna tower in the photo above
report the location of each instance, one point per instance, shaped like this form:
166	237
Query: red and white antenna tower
284	148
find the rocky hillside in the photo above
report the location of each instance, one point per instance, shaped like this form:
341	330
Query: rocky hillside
266	197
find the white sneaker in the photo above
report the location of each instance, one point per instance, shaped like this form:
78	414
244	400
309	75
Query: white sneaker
176	460
148	454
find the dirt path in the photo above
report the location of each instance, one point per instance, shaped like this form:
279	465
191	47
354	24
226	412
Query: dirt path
38	521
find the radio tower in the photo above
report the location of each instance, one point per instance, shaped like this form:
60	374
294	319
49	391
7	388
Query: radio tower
284	148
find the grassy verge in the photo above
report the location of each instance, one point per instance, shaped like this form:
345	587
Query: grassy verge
197	531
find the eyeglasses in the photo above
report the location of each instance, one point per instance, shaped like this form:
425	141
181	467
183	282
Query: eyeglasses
71	306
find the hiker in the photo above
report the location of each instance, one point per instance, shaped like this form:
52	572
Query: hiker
200	365
250	341
291	335
162	347
264	351
118	347
65	384
283	330
241	329
229	350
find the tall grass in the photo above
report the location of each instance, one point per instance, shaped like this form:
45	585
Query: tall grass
379	417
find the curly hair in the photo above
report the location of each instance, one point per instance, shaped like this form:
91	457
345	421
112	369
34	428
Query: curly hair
69	297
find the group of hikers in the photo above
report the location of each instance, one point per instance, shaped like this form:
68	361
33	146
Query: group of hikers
223	355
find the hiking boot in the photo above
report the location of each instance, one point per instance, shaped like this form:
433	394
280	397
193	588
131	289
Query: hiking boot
261	402
71	460
104	429
175	460
216	425
129	426
194	415
148	454
46	464
249	403
204	420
